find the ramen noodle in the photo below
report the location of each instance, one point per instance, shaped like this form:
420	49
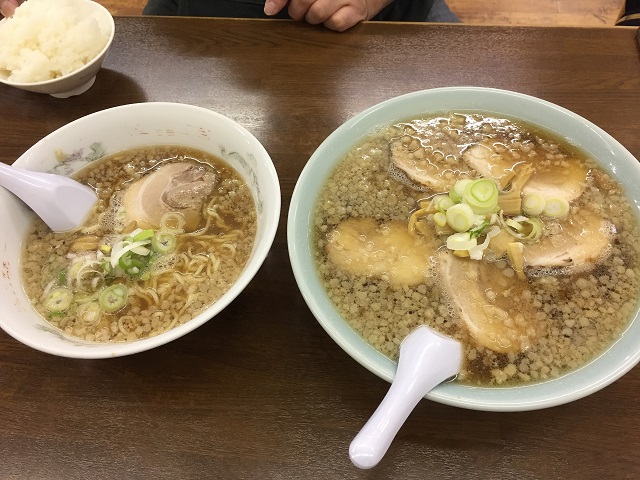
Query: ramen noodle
172	231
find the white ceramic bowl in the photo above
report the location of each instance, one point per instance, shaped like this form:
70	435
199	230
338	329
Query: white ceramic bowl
81	80
110	131
614	158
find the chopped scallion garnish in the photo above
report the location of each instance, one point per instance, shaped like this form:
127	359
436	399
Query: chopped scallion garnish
440	219
113	298
163	242
143	235
521	227
443	203
533	204
556	207
481	195
58	300
460	217
457	191
461	241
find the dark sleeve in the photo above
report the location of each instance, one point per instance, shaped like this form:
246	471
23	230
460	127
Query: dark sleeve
630	14
405	11
161	7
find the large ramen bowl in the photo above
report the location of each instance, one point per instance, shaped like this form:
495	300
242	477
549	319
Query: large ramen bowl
114	130
613	158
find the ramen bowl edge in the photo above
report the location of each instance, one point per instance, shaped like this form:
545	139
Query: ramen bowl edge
110	131
610	365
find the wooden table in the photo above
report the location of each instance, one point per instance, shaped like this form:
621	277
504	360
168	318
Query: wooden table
261	391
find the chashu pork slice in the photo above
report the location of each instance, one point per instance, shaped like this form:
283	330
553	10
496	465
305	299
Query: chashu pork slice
580	241
361	247
174	187
557	179
490	164
480	296
435	173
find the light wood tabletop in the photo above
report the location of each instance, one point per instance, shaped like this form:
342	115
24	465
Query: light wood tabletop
261	391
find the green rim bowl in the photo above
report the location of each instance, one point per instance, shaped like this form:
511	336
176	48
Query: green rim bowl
623	355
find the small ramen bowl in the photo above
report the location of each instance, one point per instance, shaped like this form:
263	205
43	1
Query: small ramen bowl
78	81
623	355
113	130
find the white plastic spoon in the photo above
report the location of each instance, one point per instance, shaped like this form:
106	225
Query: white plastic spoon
61	202
427	358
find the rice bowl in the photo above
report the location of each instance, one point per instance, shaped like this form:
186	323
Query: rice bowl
54	47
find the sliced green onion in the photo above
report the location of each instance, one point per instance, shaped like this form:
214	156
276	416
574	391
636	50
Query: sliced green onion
85	297
477	231
141	251
58	300
107	268
163	242
457	191
173	221
517	226
89	313
481	195
460	217
556	207
129	236
113	298
440	219
121	248
533	204
461	241
125	262
73	271
476	253
132	263
527	230
143	235
445	203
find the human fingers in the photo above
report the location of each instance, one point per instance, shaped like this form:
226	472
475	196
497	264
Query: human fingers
271	7
323	10
354	12
344	19
298	8
7	7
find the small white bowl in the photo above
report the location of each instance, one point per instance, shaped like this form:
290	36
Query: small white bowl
78	81
623	355
110	131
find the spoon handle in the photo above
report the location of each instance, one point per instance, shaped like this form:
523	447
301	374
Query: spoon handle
19	182
426	359
63	203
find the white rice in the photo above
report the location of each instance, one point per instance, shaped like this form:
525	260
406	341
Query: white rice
46	39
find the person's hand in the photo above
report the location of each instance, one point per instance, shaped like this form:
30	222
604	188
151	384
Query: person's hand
337	15
7	7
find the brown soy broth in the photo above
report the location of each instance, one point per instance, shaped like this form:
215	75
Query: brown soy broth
581	314
206	262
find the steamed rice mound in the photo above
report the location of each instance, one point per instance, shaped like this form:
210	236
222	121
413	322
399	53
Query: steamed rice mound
47	39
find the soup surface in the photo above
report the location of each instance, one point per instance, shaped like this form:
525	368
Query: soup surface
488	230
172	231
